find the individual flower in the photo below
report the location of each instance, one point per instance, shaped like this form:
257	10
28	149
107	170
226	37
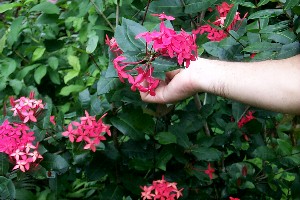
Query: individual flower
52	120
161	190
88	130
113	45
209	171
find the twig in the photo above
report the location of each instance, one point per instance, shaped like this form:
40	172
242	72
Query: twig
101	13
199	106
147	8
117	12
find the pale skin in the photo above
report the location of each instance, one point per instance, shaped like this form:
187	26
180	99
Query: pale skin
272	85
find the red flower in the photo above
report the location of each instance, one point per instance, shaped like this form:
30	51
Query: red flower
209	171
232	198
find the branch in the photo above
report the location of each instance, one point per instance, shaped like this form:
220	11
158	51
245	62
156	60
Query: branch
101	13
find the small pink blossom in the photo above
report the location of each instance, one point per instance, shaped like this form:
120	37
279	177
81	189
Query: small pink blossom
209	171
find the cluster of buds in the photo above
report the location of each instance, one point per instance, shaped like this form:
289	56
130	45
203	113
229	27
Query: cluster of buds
88	130
16	141
161	190
219	34
27	108
165	42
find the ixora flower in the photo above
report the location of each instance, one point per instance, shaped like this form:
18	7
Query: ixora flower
161	190
27	109
215	34
209	171
88	130
232	198
16	140
164	42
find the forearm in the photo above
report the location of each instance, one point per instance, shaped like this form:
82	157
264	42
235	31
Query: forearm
273	85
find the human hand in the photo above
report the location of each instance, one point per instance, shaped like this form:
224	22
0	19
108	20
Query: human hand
178	85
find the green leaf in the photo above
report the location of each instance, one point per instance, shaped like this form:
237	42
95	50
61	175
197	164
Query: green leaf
206	153
238	109
248	4
85	98
174	7
92	44
70	75
262	46
7	188
276	27
65	91
230	15
53	62
289	50
4	164
165	138
15	29
105	85
161	64
38	53
126	33
262	2
99	4
194	6
285	37
54	162
7	66
16	85
289	4
23	73
2	42
264	153
39	73
163	158
74	62
45	7
8	6
267	13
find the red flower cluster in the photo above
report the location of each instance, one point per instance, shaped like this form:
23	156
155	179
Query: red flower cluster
16	141
165	42
27	108
245	119
88	130
215	34
161	190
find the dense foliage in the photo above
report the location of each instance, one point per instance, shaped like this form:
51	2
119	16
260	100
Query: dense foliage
71	129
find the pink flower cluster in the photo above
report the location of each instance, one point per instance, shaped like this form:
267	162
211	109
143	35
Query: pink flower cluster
88	130
167	42
27	108
245	119
215	34
16	141
161	190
